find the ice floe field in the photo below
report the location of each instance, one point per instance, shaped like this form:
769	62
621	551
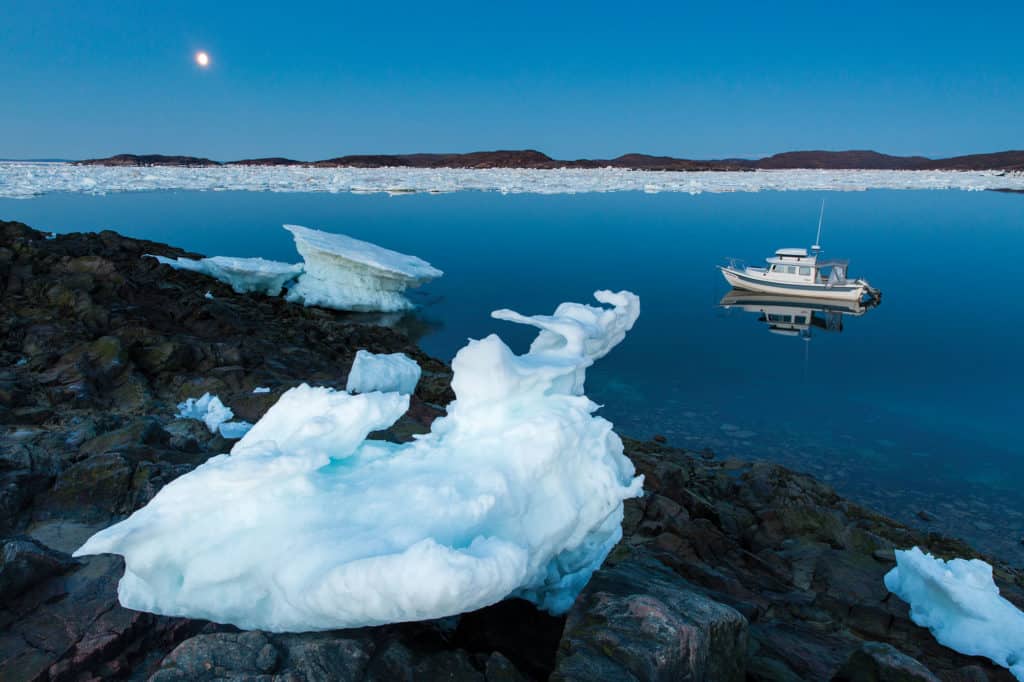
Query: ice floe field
24	179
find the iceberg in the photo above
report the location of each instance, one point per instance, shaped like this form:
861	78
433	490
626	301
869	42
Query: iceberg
960	603
350	274
245	275
208	409
23	180
308	525
395	372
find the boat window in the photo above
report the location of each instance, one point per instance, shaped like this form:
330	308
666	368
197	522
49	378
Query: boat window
800	319
791	269
805	271
773	317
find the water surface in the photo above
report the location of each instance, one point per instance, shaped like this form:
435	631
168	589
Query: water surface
912	406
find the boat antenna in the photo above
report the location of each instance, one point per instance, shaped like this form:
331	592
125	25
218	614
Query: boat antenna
817	240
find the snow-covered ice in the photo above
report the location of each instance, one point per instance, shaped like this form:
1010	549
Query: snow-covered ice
395	372
349	274
245	275
307	525
208	296
28	179
207	409
960	603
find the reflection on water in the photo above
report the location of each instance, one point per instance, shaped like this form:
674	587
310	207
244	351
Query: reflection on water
792	315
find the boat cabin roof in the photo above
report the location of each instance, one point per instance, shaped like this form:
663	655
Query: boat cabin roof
802	253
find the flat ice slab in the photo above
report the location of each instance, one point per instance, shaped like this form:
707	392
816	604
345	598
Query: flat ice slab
395	372
959	602
349	274
28	179
309	525
245	275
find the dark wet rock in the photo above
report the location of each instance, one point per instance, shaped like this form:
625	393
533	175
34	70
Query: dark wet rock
25	562
639	620
219	655
877	662
500	669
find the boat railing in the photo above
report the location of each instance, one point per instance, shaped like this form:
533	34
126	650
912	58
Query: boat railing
737	263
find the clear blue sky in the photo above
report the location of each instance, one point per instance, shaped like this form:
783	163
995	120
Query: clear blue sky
307	80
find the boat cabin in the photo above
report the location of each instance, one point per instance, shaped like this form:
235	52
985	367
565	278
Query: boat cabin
797	266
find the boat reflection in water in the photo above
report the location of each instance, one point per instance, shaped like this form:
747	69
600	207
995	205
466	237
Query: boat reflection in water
795	316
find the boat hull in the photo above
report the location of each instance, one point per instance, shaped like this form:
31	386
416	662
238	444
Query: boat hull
854	290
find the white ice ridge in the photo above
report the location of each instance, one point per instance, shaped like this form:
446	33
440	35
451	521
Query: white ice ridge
349	274
28	179
307	525
245	275
395	372
959	602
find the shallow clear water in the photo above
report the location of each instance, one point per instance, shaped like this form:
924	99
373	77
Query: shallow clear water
913	406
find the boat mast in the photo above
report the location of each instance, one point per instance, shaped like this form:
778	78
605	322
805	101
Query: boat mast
817	240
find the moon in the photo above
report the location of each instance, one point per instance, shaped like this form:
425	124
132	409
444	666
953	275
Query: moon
202	59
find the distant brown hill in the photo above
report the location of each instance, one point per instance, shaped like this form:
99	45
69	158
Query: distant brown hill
531	158
149	160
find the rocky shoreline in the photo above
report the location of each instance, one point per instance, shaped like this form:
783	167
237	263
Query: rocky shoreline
729	570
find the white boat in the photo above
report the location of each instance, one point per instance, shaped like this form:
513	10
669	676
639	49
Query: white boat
797	272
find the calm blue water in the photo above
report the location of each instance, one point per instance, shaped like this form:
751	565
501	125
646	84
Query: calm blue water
914	405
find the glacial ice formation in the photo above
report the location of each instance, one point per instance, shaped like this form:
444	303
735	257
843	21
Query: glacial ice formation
208	409
350	274
28	179
395	372
307	525
959	602
245	275
215	414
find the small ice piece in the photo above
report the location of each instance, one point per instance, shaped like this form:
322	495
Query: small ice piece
208	296
245	275
21	362
395	372
960	603
207	409
261	389
234	430
309	525
349	274
52	235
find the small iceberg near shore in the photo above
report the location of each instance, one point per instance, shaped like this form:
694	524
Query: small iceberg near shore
349	274
308	525
960	603
337	272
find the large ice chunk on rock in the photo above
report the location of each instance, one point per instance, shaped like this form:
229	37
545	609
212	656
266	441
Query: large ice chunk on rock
245	275
959	602
395	372
350	274
307	525
208	409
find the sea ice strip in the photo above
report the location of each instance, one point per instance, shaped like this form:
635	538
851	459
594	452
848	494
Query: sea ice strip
395	372
307	525
208	409
350	274
245	275
959	602
28	179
